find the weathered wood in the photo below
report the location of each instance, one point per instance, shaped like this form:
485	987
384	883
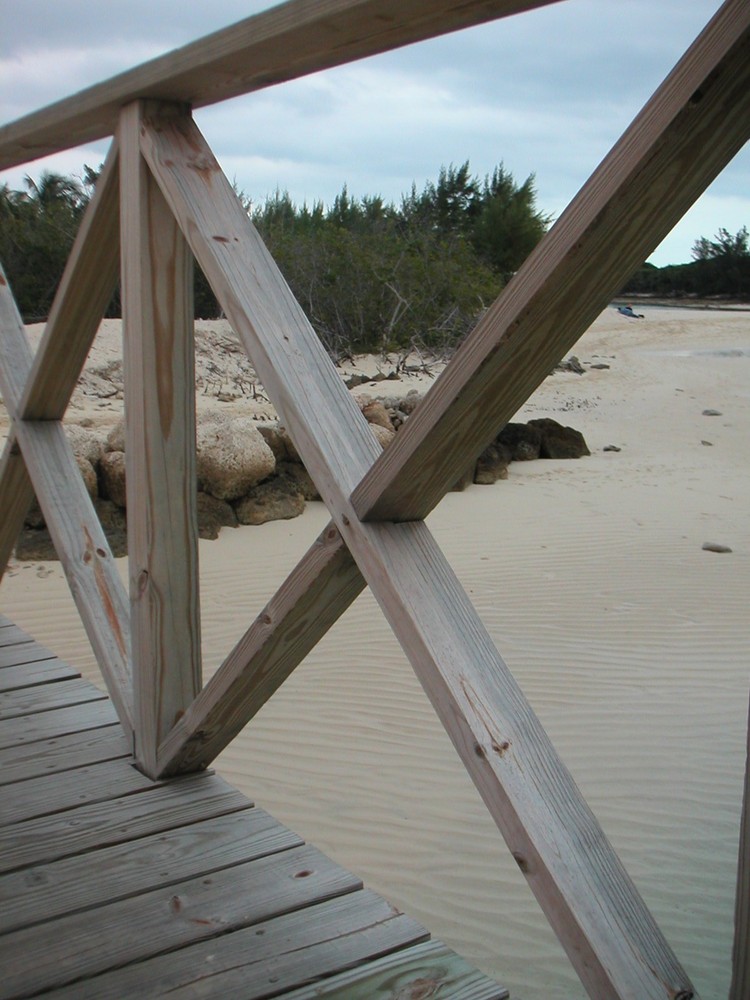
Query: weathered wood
740	986
34	674
90	826
84	553
313	597
65	753
16	495
588	898
283	43
47	697
12	635
26	652
267	958
42	892
426	970
57	722
84	292
159	363
76	532
52	793
634	198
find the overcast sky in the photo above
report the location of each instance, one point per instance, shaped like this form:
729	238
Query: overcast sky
546	92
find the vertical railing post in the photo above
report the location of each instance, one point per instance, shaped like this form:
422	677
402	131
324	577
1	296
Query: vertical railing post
158	352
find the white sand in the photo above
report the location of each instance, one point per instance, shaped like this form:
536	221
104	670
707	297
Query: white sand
630	641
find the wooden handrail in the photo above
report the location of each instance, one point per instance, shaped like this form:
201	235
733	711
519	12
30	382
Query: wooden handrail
283	43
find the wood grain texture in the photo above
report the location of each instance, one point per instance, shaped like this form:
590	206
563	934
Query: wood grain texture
691	128
426	970
25	652
62	754
78	537
283	43
159	369
34	674
56	722
85	290
267	958
45	697
313	597
84	552
16	496
12	635
52	793
40	893
155	809
740	986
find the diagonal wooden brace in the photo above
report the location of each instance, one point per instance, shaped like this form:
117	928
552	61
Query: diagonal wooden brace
593	906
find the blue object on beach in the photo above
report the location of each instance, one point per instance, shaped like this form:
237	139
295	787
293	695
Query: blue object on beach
628	311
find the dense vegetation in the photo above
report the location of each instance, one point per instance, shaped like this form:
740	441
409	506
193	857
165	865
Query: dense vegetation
720	269
370	275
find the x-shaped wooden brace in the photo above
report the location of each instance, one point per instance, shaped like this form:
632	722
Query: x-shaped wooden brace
693	126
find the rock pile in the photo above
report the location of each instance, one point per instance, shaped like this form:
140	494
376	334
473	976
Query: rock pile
250	473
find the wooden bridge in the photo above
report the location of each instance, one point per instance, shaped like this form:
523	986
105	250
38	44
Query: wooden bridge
162	198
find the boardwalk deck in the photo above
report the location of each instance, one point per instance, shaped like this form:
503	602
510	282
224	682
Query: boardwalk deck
114	885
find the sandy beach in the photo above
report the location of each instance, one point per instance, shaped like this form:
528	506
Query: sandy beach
629	638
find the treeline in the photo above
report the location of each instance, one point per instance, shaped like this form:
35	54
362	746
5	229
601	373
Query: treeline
720	269
371	275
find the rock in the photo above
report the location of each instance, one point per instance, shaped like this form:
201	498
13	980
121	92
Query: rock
112	478
558	441
88	473
214	514
275	500
410	402
712	413
523	441
492	465
600	365
384	435
611	447
85	443
292	455
571	365
232	456
708	444
116	437
301	479
465	480
375	413
715	547
275	440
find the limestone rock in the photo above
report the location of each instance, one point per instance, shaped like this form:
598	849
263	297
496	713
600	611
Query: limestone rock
112	477
213	515
492	465
384	435
116	437
558	441
85	443
114	524
300	478
232	456
524	441
275	500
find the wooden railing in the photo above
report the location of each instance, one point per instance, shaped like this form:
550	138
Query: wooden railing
162	198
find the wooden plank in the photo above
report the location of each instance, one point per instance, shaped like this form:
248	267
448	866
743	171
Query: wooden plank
47	697
12	635
426	970
40	893
53	793
62	754
283	43
157	808
740	986
267	958
16	495
33	674
28	652
588	898
316	593
76	532
159	360
57	722
692	127
85	289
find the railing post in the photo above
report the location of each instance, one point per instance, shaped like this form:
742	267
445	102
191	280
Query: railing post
160	449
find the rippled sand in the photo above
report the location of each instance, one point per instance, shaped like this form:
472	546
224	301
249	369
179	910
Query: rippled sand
629	639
